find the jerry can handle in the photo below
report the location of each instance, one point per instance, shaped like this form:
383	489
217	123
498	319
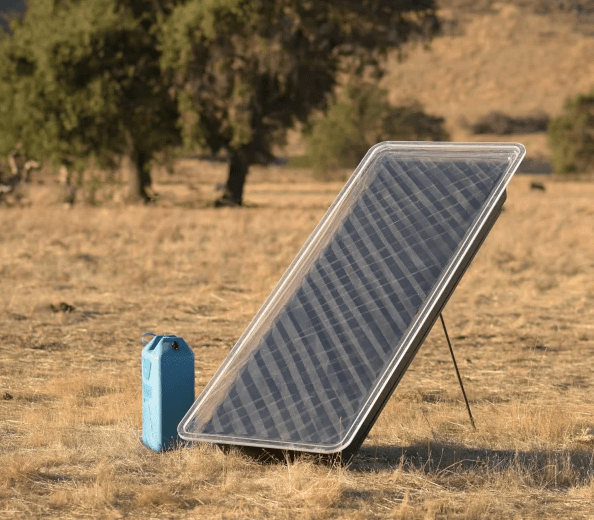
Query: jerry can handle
147	334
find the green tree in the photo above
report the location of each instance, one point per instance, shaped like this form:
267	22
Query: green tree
247	70
571	136
80	81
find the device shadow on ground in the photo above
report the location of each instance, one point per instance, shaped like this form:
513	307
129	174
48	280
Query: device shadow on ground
433	457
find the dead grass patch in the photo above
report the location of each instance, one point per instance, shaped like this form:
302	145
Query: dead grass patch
71	434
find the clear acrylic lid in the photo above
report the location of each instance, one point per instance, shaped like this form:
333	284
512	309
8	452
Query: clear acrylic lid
308	371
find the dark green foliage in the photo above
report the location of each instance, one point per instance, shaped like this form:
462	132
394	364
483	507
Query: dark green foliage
360	118
85	81
351	125
245	71
503	124
81	82
10	9
571	136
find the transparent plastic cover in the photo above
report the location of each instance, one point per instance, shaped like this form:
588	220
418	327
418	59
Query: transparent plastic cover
311	366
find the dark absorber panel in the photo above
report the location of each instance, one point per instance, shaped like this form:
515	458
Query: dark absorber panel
317	363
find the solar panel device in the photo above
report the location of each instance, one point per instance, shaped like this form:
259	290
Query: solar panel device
316	365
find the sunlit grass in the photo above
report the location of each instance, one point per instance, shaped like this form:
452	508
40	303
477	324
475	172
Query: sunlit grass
520	322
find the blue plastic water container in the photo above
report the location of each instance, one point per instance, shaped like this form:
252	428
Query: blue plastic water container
167	389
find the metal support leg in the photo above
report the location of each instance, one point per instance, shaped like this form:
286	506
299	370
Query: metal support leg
457	371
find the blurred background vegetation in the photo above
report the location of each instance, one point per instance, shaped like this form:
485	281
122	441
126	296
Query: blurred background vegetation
360	117
571	136
111	91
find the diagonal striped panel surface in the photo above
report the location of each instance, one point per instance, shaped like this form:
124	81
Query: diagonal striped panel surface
311	373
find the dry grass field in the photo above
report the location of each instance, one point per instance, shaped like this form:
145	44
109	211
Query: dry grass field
80	286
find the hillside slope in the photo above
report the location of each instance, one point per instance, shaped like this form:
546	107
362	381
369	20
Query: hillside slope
521	59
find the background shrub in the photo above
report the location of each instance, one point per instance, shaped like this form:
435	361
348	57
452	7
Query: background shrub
360	118
571	136
496	122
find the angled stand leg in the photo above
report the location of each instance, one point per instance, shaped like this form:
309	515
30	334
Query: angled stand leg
457	371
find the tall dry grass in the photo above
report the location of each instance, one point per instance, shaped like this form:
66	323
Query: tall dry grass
521	322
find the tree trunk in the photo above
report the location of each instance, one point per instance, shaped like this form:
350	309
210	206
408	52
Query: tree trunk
139	177
238	169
